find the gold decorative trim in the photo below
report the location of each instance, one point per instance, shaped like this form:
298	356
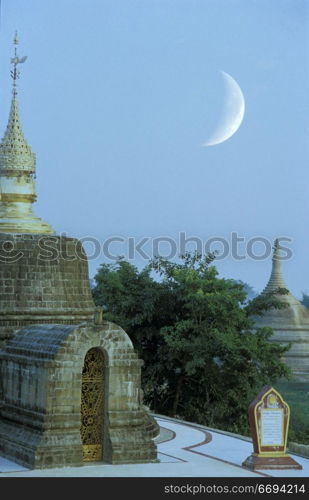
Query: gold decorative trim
257	426
92	405
272	454
17	197
92	452
18	172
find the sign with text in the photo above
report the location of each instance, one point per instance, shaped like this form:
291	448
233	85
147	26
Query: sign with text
269	417
272	422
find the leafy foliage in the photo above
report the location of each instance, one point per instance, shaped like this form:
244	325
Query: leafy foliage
305	300
248	289
203	361
140	305
296	394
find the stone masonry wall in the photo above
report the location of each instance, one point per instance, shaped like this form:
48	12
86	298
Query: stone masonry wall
43	279
40	412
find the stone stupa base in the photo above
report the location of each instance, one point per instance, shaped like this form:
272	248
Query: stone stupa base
43	280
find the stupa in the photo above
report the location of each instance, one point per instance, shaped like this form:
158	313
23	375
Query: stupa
70	389
290	324
43	277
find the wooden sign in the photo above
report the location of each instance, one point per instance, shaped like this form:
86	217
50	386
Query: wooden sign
269	418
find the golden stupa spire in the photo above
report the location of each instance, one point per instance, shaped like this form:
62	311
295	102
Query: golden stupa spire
17	170
15	153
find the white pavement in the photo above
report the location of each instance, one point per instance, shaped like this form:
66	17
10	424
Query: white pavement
184	450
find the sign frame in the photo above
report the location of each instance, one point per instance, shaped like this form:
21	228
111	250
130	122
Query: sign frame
266	407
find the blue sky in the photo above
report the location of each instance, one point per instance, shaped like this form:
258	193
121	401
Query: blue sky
117	96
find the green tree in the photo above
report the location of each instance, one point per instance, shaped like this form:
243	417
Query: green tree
203	362
216	363
141	306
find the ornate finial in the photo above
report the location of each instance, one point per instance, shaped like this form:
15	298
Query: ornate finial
16	39
15	61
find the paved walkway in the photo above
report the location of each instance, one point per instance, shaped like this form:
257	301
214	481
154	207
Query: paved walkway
184	450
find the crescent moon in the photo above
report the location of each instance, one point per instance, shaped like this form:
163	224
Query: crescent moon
233	112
